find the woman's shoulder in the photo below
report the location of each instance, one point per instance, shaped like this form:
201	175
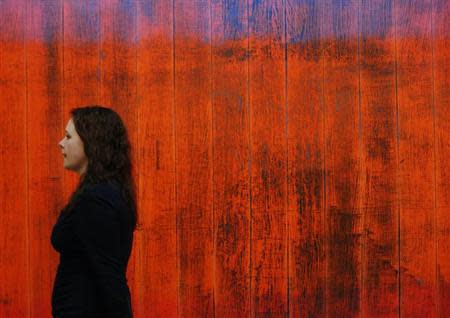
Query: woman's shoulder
109	195
106	188
109	192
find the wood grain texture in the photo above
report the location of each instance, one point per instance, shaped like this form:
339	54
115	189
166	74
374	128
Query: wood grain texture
81	64
380	294
157	240
344	179
416	159
231	158
290	157
15	289
441	67
306	160
194	192
45	129
118	89
267	93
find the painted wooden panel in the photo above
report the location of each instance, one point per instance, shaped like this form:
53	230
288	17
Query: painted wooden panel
344	180
193	155
267	98
45	128
441	93
157	294
15	291
378	116
306	114
231	158
416	167
290	156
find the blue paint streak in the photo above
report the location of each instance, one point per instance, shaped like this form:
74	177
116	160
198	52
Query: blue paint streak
86	15
266	19
51	31
233	19
378	21
148	9
309	30
127	16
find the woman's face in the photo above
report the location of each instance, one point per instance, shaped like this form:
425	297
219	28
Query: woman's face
73	150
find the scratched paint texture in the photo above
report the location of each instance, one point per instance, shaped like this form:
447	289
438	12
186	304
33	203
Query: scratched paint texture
291	156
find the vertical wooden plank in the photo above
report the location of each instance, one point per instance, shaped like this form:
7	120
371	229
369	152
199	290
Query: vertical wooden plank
194	193
15	288
81	63
118	80
416	159
379	159
157	240
344	179
231	158
306	160
45	162
441	58
267	73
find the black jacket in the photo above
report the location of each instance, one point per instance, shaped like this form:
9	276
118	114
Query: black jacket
94	242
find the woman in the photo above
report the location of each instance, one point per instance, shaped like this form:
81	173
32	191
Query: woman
94	231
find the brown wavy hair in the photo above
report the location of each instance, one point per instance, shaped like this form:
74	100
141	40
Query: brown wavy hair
108	151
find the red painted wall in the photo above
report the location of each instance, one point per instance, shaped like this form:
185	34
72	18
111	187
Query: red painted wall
291	156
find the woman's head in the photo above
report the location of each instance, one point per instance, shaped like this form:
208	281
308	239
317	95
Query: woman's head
96	146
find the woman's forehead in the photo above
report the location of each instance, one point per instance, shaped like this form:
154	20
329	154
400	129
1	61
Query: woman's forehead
69	126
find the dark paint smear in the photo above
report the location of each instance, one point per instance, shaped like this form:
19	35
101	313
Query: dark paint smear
54	93
302	39
265	166
231	227
443	287
343	240
309	256
158	166
51	34
381	273
54	78
309	184
380	148
272	183
307	51
238	54
372	52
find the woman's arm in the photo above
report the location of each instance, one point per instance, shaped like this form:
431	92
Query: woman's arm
97	226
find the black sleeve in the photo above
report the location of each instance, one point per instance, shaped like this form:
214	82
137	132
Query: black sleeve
96	224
